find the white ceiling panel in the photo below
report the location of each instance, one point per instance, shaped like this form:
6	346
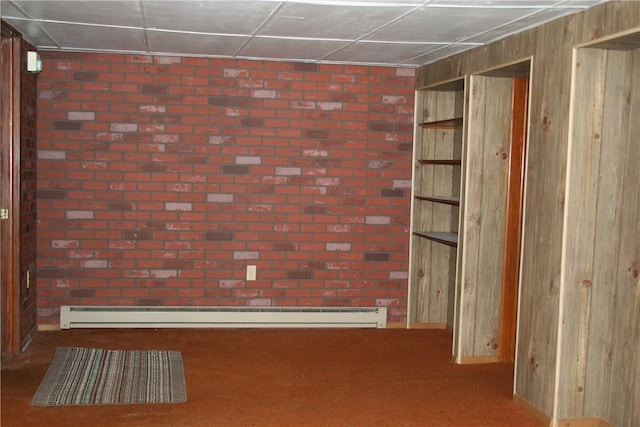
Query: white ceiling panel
9	9
220	17
290	49
453	23
377	32
519	25
443	52
85	37
194	44
330	22
381	53
33	32
122	13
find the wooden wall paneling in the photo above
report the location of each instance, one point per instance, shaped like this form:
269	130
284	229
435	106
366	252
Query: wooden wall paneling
442	256
459	285
610	105
580	226
434	264
536	352
550	49
603	96
494	177
415	261
425	217
471	220
484	219
624	390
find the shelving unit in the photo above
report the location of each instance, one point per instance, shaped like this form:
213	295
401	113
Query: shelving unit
436	202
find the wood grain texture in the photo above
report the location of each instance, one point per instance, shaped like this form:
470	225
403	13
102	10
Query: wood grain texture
601	212
544	290
10	195
513	219
433	271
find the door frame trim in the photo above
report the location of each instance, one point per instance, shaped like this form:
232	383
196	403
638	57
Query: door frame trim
11	68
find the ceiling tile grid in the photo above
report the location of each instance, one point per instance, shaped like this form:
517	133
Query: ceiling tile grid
401	33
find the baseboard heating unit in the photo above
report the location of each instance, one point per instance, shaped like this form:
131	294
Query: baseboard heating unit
221	317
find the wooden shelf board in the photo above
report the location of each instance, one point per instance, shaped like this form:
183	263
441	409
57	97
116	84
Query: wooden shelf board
455	123
447	200
440	162
450	239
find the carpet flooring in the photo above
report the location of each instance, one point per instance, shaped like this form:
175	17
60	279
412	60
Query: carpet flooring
257	377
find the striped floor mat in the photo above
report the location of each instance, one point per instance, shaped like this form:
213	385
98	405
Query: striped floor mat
91	376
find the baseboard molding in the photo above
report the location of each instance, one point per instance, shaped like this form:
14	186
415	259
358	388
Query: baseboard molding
532	410
470	360
416	325
48	327
396	325
583	422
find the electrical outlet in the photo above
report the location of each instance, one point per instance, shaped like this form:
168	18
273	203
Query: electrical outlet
251	272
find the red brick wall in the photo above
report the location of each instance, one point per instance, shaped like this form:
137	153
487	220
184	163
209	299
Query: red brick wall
161	178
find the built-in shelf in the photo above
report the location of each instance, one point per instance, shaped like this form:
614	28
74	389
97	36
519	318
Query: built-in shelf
437	202
455	123
440	162
450	239
447	200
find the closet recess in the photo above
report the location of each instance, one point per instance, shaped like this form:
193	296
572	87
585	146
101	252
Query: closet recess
436	203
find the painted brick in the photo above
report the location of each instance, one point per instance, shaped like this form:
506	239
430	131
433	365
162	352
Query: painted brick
80	214
123	127
220	198
338	246
248	160
287	171
246	255
178	206
81	115
378	220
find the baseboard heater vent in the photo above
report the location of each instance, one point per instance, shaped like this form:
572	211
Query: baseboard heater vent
221	317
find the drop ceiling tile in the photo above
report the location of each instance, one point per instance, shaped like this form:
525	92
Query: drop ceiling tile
84	37
32	32
194	44
121	13
8	10
273	48
441	53
520	25
329	22
447	25
221	17
494	3
381	53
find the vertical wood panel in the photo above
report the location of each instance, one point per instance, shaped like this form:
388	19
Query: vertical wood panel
433	277
493	204
607	222
582	197
550	49
624	396
471	221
